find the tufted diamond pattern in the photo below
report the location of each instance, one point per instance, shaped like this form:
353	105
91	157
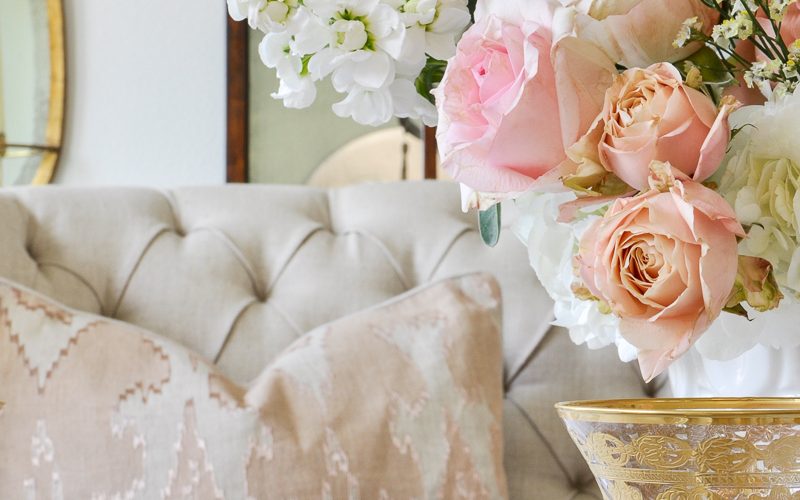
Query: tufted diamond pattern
237	273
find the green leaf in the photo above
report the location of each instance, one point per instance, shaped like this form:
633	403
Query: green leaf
735	131
490	225
430	77
738	310
710	65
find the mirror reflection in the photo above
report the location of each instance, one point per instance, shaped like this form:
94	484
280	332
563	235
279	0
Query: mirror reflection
31	90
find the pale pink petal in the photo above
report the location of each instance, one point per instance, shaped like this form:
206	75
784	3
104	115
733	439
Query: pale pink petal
583	74
568	211
645	33
666	70
711	204
702	105
630	166
675	336
666	291
790	27
526	140
662	215
713	150
681	147
719	264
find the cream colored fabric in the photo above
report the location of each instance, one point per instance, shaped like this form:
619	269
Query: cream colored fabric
400	401
238	273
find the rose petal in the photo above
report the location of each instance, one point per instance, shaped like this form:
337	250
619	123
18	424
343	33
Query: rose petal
715	146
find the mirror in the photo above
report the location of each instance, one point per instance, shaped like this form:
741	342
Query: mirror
342	152
32	80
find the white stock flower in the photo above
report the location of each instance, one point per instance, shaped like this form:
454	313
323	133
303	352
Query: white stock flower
408	103
360	25
372	50
296	94
761	180
366	107
552	247
297	89
365	39
264	15
432	29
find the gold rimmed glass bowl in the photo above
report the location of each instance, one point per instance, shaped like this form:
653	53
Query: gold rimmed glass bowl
690	449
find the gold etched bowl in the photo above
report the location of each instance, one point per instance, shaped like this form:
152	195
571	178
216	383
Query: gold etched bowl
690	449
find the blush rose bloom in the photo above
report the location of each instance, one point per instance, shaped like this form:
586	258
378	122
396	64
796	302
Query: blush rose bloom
511	101
665	262
789	25
650	115
638	33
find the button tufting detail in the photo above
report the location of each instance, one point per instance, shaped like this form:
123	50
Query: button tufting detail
29	251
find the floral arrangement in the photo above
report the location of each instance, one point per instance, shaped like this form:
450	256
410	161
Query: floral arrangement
648	145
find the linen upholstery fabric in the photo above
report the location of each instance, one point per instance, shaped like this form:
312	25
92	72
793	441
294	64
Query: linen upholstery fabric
401	401
237	273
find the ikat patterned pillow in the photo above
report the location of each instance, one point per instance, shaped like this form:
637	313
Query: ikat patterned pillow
400	401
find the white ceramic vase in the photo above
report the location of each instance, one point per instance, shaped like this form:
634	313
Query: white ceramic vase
760	372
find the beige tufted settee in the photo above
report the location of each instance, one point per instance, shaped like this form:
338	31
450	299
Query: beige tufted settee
237	273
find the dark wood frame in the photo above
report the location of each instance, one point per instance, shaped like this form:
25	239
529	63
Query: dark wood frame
238	109
431	153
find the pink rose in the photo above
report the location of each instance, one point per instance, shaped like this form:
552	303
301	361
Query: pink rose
510	102
665	262
650	115
638	33
790	26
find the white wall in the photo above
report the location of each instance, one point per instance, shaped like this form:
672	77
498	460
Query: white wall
146	92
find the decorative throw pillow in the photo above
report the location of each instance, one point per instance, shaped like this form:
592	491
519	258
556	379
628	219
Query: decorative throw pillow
400	401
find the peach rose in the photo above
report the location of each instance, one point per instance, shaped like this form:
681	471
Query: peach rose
650	115
638	33
511	102
665	262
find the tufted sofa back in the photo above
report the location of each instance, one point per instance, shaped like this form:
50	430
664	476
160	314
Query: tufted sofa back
238	273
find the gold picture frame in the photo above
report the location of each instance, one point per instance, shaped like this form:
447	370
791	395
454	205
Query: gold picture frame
55	119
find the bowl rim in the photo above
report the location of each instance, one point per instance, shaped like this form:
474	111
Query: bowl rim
760	410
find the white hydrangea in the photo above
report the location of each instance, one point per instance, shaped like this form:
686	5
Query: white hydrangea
552	246
372	50
761	180
730	336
